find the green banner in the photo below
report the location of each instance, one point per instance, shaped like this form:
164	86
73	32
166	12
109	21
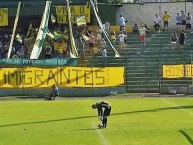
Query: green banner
45	62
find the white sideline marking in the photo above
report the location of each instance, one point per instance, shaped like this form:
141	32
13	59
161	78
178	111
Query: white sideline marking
103	140
176	105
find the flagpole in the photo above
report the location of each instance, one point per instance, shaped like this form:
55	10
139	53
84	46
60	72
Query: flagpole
14	29
29	29
73	51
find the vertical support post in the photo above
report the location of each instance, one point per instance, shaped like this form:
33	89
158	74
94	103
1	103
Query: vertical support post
92	70
57	70
186	76
22	77
191	70
146	71
159	80
126	73
159	68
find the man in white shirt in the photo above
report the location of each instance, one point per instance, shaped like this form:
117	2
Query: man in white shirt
157	22
107	26
183	20
121	22
122	37
103	50
188	21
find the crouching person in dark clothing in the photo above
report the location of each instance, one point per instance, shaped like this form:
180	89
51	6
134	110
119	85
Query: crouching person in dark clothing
54	93
104	110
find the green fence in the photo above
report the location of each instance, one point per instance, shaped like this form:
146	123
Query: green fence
144	64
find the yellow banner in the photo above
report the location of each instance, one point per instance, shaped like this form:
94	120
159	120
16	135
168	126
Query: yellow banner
178	71
188	70
173	71
3	16
33	77
76	11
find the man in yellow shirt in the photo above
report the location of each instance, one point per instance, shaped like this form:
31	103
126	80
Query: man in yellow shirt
60	47
166	18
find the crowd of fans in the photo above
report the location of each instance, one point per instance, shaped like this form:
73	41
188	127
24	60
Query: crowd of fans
56	44
183	25
57	41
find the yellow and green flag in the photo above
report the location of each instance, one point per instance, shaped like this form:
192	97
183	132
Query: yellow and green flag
43	29
80	20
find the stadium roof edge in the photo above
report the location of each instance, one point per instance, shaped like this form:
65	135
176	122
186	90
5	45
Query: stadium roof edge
118	5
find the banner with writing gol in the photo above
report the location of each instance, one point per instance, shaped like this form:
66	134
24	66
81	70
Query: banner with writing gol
173	71
178	71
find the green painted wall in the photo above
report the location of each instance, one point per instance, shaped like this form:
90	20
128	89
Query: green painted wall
107	12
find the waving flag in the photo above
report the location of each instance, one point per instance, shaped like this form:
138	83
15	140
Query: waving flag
53	19
55	35
43	29
80	20
86	38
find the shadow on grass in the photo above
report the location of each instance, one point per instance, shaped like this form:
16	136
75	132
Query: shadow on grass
47	121
28	97
83	117
87	129
186	136
39	97
155	110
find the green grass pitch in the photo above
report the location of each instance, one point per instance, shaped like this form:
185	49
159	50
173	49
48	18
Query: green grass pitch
133	121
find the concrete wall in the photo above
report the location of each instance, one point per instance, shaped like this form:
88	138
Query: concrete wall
137	13
65	92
